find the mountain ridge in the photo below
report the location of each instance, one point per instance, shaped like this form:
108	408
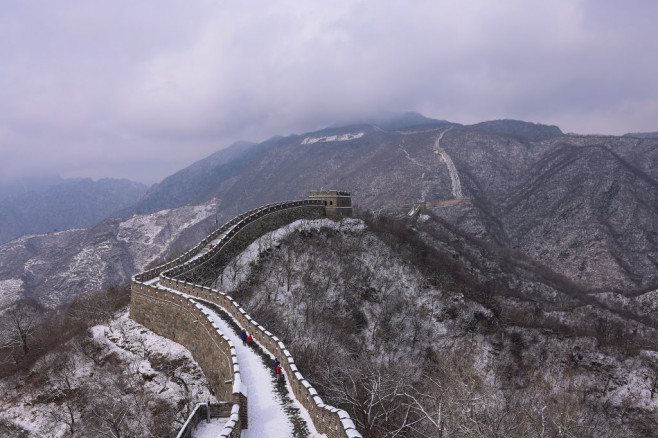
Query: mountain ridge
528	196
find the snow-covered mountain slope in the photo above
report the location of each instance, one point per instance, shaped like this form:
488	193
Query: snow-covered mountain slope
54	268
583	204
399	334
119	379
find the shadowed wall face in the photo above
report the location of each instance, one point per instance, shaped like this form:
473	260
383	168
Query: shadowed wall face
206	271
185	327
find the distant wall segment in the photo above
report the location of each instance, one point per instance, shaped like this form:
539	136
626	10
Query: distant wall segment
198	255
161	300
204	270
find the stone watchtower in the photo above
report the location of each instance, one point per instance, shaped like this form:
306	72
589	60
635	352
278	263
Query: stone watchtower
336	204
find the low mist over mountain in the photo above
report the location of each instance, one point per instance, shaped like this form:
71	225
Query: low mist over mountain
47	205
193	183
642	134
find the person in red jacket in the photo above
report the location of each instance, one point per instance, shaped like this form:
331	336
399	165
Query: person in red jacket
250	340
278	373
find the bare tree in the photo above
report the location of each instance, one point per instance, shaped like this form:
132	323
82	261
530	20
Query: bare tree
64	391
651	376
110	416
374	395
66	412
231	274
19	327
455	400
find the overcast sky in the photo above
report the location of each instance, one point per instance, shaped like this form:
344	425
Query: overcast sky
142	88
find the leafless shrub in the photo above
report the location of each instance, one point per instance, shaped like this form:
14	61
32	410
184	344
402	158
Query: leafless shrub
27	332
11	430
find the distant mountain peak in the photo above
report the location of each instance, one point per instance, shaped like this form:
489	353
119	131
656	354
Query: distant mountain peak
642	134
519	129
390	121
67	203
407	120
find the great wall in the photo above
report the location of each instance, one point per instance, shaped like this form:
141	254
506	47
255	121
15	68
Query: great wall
167	299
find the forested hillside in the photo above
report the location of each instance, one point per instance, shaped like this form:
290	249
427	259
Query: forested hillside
414	338
87	370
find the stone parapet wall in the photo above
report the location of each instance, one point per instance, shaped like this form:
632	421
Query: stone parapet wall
182	320
315	193
241	235
179	318
200	413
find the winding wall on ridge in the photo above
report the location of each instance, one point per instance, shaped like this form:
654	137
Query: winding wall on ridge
161	300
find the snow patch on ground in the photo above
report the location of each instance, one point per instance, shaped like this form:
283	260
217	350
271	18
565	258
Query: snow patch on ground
267	418
144	226
239	269
10	291
29	407
126	337
149	234
330	138
210	429
32	264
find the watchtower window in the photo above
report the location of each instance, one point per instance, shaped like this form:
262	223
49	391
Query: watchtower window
331	202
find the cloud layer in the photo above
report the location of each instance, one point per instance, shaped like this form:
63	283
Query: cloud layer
103	88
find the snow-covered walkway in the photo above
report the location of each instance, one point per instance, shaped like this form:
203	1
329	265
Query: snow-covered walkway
213	244
211	429
272	413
